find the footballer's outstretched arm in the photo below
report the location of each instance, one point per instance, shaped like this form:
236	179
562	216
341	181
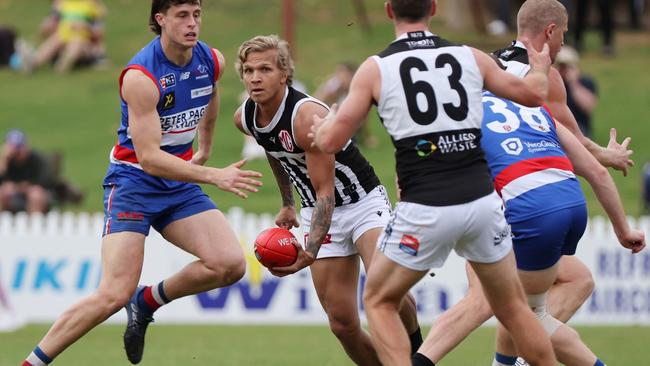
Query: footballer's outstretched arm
586	165
615	155
142	96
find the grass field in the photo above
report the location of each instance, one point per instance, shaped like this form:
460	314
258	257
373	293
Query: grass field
78	113
287	346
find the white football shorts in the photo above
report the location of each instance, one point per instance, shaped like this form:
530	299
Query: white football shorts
420	237
349	222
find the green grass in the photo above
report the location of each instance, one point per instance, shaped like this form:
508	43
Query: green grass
79	113
283	345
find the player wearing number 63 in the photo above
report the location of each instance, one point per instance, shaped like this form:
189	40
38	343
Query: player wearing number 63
428	95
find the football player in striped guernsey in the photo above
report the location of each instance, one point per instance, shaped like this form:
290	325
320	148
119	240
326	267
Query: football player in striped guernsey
343	205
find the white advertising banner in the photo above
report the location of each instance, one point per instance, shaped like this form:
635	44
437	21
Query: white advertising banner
49	262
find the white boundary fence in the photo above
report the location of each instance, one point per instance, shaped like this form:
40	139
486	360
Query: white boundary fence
49	262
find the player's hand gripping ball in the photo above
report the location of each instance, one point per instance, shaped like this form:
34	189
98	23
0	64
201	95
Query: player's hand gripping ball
276	247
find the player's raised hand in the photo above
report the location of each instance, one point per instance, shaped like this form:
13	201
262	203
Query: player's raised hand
633	240
235	180
617	155
318	122
303	260
286	218
538	59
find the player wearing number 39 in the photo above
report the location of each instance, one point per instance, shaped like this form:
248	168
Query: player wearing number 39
428	95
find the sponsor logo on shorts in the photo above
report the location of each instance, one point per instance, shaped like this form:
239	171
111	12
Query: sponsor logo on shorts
167	81
409	245
326	240
501	236
512	146
285	140
130	216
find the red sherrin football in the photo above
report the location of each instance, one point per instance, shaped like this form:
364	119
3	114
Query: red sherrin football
276	247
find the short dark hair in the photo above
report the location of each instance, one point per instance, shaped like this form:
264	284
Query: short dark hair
161	6
411	10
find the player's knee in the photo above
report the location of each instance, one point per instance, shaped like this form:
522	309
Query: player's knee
113	300
479	307
225	272
371	297
537	303
566	341
585	285
344	328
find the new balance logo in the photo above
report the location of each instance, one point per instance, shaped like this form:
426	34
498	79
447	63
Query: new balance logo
379	213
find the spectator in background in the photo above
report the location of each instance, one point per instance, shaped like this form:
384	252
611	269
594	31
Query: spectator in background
581	90
25	175
73	33
335	89
606	10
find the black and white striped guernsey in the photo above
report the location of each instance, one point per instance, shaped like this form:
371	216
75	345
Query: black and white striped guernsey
354	177
430	104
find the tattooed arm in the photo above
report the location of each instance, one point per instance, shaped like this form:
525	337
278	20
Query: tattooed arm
320	167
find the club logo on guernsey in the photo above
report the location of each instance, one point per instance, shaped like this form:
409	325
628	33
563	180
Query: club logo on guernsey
167	81
285	140
409	245
512	146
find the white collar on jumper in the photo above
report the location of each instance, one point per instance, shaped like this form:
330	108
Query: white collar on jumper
405	35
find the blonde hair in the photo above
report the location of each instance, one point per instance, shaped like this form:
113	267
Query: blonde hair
535	15
265	43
